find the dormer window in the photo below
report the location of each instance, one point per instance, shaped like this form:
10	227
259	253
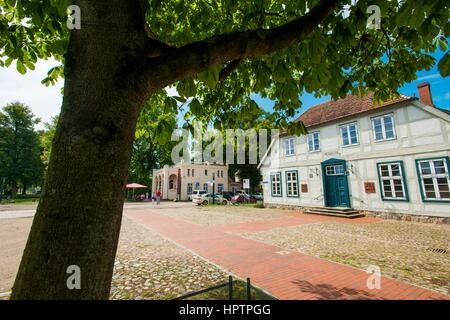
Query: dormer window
289	146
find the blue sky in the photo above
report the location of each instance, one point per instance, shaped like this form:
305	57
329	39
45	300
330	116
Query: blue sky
440	90
45	102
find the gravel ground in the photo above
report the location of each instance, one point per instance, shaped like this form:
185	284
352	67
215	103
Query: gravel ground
402	250
146	267
223	214
150	267
13	237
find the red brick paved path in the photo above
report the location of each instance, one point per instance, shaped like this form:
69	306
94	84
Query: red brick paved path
285	276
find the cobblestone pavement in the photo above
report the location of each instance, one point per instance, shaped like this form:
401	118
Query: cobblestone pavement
149	267
222	214
403	250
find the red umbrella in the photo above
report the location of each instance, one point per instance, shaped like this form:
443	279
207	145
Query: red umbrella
134	186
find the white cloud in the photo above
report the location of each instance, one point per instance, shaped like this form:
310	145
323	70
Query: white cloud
444	97
45	102
431	76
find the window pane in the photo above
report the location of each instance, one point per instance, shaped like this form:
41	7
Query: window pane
379	135
395	168
344	133
378	129
425	167
354	138
443	186
330	170
310	143
387	188
429	188
439	167
384	171
398	188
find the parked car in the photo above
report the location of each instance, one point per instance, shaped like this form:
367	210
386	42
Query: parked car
196	194
227	195
243	199
208	199
258	196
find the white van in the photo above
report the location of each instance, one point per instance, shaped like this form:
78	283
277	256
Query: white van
196	194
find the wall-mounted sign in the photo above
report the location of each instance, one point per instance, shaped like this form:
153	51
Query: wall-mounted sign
369	187
304	187
246	183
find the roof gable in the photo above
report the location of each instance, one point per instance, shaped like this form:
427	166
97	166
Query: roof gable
342	108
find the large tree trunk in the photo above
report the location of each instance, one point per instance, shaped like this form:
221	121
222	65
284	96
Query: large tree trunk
79	215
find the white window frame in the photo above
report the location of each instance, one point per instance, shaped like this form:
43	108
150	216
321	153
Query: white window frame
434	176
310	138
390	180
205	187
276	183
292	183
347	127
383	127
289	147
190	186
334	172
220	186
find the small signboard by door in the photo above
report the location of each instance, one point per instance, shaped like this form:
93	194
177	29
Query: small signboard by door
246	183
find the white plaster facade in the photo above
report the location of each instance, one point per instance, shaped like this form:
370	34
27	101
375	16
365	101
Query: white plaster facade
421	132
177	181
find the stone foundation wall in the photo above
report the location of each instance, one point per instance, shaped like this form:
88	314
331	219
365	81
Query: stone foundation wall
376	214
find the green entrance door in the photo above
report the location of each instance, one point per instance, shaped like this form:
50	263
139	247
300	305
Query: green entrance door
335	184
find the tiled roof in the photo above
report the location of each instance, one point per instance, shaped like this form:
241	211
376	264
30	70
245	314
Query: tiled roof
342	108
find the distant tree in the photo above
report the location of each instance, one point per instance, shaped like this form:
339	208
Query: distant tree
46	138
19	147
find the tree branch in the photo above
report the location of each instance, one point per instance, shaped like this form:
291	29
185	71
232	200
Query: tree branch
155	48
225	72
193	58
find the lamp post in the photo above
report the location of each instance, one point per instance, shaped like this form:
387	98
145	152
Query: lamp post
213	185
3	191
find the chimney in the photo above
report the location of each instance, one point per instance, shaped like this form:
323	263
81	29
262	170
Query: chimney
425	93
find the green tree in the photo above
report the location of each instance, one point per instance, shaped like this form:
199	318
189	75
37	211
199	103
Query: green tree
46	138
19	147
152	146
219	51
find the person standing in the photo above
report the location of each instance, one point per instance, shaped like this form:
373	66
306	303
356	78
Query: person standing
158	197
146	196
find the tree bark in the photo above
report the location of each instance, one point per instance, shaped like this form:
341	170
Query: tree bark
79	215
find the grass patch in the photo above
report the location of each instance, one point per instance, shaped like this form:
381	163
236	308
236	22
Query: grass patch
20	201
259	205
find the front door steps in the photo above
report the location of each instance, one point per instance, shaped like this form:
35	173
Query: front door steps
335	212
